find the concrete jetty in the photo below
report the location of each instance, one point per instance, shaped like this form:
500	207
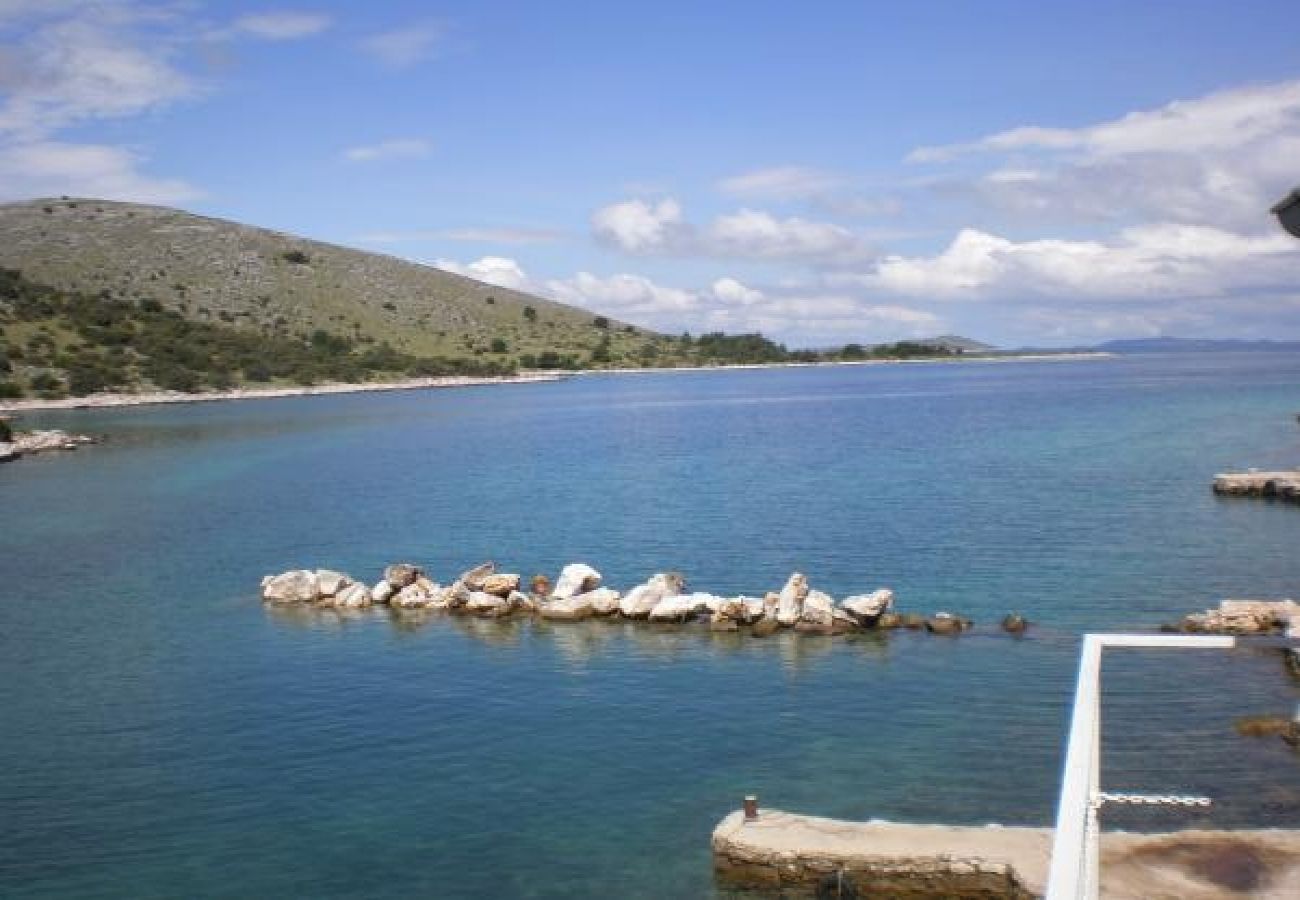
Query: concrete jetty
1283	485
807	856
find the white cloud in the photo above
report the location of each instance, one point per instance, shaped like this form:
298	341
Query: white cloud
404	47
400	148
802	317
636	226
1220	159
754	234
781	182
628	297
640	227
1142	263
1222	120
498	270
488	235
70	71
729	290
48	169
283	25
73	63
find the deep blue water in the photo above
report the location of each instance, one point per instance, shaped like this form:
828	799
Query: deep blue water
162	735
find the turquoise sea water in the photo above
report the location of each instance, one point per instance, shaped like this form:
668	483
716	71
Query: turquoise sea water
163	735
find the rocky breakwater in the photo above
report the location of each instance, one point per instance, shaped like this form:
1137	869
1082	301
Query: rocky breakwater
1279	485
578	593
15	444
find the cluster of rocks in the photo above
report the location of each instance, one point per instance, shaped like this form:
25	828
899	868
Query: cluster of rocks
1243	617
1278	485
29	442
578	594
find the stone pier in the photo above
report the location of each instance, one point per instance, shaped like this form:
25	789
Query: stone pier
1282	485
805	856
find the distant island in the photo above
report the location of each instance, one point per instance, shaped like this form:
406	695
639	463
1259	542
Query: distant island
1196	345
100	298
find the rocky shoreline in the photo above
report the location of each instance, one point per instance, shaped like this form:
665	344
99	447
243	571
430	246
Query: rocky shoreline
151	398
578	594
27	443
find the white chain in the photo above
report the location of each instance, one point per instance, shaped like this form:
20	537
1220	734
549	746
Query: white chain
1154	799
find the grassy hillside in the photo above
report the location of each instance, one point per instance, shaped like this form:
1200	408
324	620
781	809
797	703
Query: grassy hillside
219	272
96	295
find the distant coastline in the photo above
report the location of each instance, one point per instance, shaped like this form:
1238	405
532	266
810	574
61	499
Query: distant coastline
1067	356
153	398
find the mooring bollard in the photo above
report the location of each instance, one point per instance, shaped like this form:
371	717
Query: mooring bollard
751	808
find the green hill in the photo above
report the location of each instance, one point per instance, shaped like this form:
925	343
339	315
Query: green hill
220	272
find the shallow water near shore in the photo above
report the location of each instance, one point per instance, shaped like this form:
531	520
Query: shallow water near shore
164	735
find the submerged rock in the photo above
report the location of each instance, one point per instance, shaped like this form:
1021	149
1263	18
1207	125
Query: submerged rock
765	627
946	623
718	622
1014	623
576	578
540	585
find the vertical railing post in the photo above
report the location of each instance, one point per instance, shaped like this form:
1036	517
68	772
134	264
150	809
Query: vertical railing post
1075	872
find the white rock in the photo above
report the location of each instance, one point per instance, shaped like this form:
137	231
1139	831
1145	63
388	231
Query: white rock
400	575
330	582
675	609
456	595
475	577
790	600
603	601
482	602
413	596
567	609
299	586
638	602
818	609
521	601
353	596
575	579
869	607
382	592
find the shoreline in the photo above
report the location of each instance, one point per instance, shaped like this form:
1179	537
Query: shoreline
946	360
112	400
154	398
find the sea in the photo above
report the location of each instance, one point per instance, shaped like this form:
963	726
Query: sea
163	734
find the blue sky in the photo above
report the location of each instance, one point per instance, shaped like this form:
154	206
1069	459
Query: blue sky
1025	173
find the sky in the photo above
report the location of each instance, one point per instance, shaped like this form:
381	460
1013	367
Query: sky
1028	173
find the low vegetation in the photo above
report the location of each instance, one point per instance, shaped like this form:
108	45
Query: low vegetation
56	343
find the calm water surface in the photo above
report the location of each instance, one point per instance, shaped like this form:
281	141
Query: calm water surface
162	735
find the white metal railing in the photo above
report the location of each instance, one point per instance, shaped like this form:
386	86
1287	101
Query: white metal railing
1074	871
